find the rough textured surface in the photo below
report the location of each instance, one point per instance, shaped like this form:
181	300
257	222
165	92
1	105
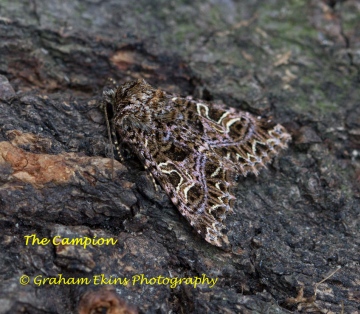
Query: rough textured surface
296	62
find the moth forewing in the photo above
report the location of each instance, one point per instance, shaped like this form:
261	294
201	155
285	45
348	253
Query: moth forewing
193	149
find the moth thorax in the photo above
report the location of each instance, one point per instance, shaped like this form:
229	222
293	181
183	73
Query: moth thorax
135	116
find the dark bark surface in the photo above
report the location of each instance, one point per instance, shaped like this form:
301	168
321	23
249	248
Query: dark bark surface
295	231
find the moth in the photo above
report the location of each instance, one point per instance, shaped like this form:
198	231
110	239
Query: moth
193	149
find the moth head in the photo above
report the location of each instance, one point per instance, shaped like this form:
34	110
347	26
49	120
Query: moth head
131	105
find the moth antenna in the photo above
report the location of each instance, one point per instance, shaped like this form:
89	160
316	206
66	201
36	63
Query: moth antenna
111	143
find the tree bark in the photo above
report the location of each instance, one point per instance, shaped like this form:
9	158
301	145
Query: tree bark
294	233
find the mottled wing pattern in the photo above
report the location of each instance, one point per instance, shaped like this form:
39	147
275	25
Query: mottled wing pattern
194	150
197	183
246	142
